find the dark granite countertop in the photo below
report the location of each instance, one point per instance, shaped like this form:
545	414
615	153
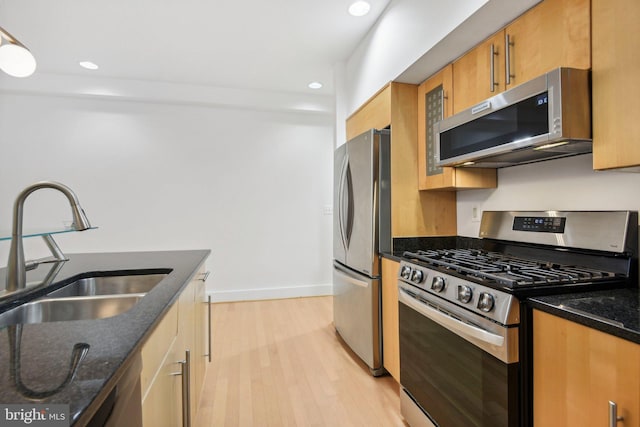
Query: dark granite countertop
45	348
616	311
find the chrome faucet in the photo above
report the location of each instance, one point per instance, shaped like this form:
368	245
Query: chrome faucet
16	268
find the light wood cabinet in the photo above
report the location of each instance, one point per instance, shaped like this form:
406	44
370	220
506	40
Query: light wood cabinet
554	33
577	370
435	101
479	74
202	344
616	91
390	328
161	388
413	212
182	329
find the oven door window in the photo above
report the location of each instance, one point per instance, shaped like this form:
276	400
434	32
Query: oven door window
455	382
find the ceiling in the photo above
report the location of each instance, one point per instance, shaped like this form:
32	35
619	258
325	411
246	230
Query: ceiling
277	45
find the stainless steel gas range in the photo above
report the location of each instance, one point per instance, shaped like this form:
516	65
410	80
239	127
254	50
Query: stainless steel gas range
465	340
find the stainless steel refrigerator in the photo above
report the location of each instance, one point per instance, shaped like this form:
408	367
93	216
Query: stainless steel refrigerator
361	230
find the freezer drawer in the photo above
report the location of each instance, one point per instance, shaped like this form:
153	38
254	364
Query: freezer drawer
357	314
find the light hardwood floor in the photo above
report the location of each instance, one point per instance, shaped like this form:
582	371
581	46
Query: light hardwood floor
281	363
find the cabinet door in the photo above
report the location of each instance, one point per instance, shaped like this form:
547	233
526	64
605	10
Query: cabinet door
373	114
435	102
186	338
162	404
479	74
390	331
616	92
201	351
555	33
578	370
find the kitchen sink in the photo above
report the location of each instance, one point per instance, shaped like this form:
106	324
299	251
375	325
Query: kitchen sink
72	308
109	285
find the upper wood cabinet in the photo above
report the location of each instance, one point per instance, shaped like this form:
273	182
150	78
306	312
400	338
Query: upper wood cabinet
479	74
554	33
616	91
435	101
413	212
578	370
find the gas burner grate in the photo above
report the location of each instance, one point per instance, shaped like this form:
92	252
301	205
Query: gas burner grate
507	270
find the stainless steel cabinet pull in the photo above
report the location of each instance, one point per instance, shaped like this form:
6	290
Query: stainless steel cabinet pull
507	59
205	275
185	373
613	414
186	390
492	75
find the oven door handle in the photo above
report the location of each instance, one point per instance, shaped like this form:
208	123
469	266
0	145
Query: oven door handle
449	322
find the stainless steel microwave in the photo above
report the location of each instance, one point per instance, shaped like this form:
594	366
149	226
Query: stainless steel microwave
545	118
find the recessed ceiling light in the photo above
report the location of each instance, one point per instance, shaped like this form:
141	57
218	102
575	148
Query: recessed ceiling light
359	8
315	85
88	65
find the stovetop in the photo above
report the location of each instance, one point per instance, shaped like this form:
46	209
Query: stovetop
502	270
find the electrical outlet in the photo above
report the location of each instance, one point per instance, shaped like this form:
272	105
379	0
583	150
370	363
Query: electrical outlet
475	213
327	210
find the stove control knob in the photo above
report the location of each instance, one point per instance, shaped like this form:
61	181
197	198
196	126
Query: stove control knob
486	302
438	284
417	276
405	272
464	293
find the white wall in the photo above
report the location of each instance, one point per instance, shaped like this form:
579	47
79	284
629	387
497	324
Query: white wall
250	185
406	30
563	184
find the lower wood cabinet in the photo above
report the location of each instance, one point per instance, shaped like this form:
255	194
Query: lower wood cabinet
578	371
390	331
174	360
161	388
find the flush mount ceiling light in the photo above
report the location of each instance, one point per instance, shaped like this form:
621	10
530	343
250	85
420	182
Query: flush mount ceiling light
88	65
315	85
359	8
15	59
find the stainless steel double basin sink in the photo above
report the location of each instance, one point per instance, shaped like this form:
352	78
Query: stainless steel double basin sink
87	298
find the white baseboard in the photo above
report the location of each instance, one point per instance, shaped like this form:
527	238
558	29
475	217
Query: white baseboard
270	293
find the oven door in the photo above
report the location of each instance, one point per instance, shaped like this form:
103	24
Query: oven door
451	367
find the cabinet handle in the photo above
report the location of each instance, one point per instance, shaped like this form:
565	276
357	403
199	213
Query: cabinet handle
492	76
205	275
613	414
507	59
443	99
209	327
186	389
185	373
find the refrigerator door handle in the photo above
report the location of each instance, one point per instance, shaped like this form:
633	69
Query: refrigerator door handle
345	211
350	279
